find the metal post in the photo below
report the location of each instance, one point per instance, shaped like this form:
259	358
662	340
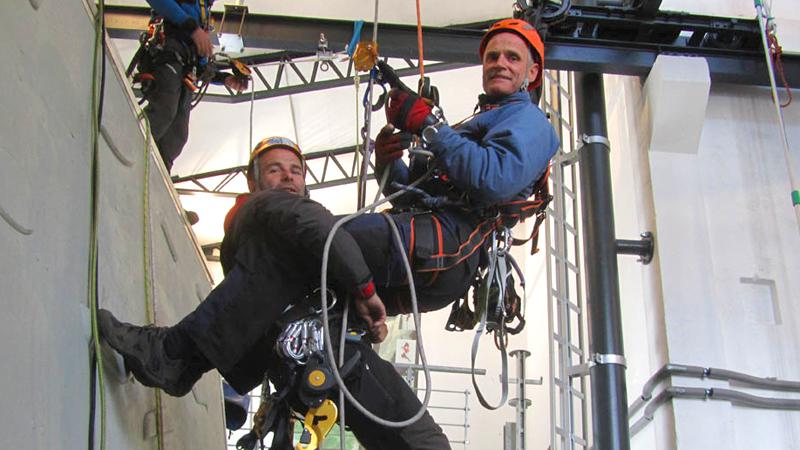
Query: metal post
522	401
607	373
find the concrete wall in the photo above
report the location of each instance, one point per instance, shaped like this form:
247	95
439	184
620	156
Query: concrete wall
45	159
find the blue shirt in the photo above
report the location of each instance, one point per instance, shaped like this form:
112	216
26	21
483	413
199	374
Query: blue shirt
179	12
496	156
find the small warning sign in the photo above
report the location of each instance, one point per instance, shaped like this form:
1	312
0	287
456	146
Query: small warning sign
406	351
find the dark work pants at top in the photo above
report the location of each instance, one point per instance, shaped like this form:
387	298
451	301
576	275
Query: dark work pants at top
169	100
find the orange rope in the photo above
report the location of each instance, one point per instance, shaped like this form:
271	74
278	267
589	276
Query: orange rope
777	51
419	46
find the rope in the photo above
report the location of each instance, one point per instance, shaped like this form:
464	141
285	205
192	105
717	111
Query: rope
149	299
98	86
367	151
419	47
413	294
777	51
357	81
763	22
252	105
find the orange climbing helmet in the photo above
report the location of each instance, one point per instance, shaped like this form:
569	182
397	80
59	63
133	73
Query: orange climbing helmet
524	30
275	142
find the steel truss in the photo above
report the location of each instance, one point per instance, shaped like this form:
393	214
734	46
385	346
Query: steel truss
333	173
296	73
621	41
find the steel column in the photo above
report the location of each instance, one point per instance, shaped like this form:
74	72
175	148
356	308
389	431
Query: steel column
609	399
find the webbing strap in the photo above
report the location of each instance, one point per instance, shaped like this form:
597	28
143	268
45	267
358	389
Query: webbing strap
490	274
203	13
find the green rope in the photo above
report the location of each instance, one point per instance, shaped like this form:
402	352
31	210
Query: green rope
149	302
93	203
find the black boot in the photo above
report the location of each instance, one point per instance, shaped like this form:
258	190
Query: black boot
142	348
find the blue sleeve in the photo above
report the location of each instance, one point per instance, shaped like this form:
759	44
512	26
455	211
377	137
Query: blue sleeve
512	154
170	10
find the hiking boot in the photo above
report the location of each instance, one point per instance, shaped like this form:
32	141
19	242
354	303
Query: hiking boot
142	348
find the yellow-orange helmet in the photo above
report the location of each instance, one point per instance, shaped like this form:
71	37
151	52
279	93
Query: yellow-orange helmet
268	144
524	30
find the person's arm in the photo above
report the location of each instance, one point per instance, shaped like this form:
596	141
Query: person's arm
173	13
512	154
285	217
389	148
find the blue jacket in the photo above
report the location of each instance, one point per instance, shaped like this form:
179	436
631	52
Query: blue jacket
496	156
179	12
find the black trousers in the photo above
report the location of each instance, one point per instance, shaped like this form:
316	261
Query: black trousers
169	100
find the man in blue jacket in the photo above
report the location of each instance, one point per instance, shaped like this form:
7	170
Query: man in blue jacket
494	158
179	49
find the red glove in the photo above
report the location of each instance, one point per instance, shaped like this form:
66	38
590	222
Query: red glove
408	111
389	146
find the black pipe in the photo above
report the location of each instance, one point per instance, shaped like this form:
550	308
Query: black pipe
609	397
642	248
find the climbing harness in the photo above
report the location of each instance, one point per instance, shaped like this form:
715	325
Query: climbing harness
197	76
305	371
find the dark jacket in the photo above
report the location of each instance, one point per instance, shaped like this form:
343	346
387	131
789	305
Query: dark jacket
296	227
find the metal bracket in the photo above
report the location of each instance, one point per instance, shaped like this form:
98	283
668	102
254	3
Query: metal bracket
594	139
594	360
232	42
643	248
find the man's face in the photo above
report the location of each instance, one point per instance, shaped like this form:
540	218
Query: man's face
506	63
280	169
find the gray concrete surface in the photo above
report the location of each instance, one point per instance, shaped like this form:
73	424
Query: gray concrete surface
45	160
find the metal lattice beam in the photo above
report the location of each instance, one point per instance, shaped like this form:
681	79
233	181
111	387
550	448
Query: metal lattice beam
333	173
305	79
590	39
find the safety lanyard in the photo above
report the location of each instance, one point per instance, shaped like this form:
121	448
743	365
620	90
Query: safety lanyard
203	13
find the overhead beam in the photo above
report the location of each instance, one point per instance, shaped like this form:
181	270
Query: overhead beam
590	39
265	91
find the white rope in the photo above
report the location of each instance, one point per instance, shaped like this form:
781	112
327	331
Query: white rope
412	290
763	18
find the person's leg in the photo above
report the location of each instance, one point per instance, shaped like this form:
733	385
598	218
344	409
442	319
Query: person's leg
383	255
385	259
240	310
217	334
165	95
171	142
384	392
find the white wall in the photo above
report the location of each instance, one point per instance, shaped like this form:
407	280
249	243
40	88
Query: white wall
45	158
725	233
